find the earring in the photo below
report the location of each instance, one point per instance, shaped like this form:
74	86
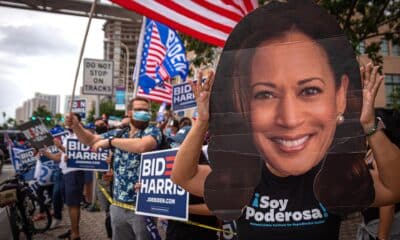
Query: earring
340	119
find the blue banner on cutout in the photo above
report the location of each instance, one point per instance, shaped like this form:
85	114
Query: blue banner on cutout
158	195
80	156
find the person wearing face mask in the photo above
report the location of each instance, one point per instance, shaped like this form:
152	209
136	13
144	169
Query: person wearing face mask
127	144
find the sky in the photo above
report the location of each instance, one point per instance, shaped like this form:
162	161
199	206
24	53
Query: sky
39	52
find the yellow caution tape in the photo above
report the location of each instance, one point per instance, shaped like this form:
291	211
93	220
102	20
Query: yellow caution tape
132	207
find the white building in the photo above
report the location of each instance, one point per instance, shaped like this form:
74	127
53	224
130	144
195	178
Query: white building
54	102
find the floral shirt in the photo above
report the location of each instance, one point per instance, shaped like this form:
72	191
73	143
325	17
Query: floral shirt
126	165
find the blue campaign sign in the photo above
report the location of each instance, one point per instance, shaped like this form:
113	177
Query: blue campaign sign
25	161
27	158
158	195
80	156
46	168
182	97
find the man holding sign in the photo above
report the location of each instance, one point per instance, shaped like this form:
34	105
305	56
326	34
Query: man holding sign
128	145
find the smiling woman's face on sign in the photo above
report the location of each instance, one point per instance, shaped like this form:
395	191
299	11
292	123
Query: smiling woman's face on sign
294	103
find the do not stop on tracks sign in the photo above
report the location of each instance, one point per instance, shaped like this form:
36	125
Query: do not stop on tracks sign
97	77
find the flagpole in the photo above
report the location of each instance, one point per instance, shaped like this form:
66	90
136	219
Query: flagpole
81	53
136	73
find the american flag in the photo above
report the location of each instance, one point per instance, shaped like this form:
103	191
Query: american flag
156	53
155	58
160	61
158	94
208	20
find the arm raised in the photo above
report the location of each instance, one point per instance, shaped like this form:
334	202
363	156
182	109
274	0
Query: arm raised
186	171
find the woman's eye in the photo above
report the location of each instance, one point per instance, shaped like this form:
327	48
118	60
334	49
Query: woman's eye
263	95
310	91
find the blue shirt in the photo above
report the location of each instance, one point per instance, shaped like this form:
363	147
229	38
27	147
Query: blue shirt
126	165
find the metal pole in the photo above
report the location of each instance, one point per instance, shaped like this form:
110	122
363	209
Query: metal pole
81	53
97	108
127	75
139	58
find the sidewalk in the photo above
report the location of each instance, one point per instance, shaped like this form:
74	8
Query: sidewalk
91	227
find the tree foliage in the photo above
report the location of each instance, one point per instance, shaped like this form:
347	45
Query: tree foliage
108	108
204	52
395	98
42	113
364	20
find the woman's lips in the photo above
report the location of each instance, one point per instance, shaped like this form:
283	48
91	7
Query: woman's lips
291	144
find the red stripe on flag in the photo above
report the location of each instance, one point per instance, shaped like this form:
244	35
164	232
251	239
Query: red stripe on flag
221	11
249	6
167	173
194	15
233	3
168	20
169	165
170	158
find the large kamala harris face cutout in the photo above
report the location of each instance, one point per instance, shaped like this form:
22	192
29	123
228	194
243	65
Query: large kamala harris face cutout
286	79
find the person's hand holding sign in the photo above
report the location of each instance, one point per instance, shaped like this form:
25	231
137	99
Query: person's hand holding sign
103	143
71	120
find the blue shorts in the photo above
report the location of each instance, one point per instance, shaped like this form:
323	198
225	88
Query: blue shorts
88	177
73	183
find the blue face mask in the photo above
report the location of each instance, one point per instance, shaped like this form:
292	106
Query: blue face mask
143	116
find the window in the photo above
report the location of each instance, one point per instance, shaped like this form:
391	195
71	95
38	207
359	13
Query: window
384	48
392	88
395	50
361	48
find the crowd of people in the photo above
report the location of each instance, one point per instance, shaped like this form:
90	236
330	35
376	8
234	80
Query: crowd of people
296	142
133	136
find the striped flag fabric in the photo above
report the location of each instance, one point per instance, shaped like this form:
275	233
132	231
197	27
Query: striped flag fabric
210	21
158	94
162	58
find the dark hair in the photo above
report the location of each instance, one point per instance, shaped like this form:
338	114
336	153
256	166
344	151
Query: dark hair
232	151
185	119
391	119
139	99
174	123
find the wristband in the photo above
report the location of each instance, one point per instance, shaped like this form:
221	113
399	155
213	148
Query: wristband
110	142
377	126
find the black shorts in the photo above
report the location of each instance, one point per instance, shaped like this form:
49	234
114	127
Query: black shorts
73	183
88	177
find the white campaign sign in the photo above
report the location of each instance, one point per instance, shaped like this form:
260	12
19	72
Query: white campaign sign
97	77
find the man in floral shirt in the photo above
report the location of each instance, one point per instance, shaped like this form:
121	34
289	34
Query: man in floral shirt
128	144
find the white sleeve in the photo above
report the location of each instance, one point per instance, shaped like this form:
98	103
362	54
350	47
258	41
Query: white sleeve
38	169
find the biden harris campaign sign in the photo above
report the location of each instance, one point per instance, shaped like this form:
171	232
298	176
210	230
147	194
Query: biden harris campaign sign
158	195
80	156
182	97
36	133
